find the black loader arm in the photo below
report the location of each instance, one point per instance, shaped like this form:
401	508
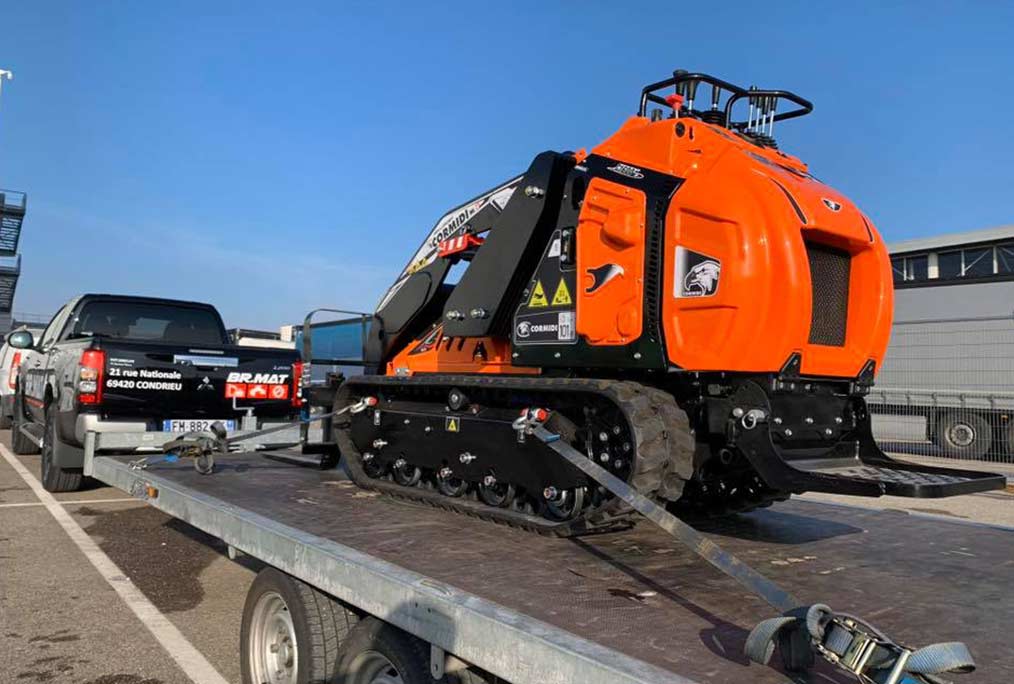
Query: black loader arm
516	226
484	300
415	304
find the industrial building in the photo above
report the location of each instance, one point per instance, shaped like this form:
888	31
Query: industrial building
12	216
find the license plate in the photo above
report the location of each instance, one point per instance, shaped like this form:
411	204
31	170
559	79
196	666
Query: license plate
195	424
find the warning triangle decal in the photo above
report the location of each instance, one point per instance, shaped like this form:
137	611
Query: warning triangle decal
538	299
562	296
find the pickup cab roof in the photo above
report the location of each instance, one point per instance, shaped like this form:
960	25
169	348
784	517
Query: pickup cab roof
140	299
78	304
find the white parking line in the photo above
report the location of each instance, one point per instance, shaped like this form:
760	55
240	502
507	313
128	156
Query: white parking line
75	502
190	660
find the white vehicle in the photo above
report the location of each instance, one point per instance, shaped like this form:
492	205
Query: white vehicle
10	361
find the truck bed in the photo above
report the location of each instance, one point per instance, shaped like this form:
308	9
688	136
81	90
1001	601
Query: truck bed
620	607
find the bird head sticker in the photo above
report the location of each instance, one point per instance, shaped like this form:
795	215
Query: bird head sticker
831	204
697	275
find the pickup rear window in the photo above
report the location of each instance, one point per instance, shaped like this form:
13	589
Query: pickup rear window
149	321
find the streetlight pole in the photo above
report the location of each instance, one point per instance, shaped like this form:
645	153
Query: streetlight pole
5	74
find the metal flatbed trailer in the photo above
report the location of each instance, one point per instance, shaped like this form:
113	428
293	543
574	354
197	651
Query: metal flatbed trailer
621	608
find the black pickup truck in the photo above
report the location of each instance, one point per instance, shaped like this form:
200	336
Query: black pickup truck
112	363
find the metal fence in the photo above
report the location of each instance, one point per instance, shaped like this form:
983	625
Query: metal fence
946	390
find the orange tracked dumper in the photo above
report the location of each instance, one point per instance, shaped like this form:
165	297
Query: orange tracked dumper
685	304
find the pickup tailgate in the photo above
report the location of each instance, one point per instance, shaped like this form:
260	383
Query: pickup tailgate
163	382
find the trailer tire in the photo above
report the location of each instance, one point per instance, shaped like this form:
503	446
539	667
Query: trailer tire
375	648
289	625
20	444
53	477
963	434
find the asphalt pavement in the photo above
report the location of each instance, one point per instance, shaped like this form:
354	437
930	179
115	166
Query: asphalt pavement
62	621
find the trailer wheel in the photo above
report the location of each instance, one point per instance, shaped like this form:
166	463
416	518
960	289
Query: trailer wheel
290	632
20	444
54	478
379	653
963	435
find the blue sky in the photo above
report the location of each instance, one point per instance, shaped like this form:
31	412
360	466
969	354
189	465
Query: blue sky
270	158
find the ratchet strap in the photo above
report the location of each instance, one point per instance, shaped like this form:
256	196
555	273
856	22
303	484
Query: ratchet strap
358	406
845	641
853	645
202	445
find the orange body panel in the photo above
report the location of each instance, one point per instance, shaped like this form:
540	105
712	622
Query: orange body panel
751	209
611	230
439	354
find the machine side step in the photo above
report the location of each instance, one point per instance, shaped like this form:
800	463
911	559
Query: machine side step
855	466
898	478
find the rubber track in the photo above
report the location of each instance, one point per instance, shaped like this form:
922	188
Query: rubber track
660	431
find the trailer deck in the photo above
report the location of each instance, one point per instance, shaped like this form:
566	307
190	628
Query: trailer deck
622	607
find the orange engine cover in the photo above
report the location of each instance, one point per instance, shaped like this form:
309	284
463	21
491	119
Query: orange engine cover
760	259
610	247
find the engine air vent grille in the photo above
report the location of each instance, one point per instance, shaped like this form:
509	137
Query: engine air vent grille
830	270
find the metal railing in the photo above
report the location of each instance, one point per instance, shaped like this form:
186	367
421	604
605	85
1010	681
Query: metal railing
334	350
328	348
10	271
946	389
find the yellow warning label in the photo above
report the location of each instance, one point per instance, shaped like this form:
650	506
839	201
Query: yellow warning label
451	425
562	296
538	299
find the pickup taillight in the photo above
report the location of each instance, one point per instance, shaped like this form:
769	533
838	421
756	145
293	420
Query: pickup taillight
12	376
297	384
90	377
